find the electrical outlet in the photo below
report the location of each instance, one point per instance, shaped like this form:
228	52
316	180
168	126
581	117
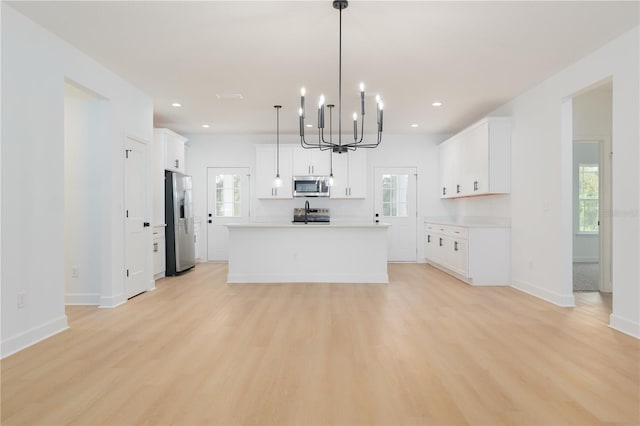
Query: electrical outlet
22	300
75	271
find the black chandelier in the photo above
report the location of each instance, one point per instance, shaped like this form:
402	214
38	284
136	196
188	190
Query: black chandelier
340	147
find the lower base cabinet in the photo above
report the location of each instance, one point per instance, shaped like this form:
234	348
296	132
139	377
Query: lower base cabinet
158	252
478	255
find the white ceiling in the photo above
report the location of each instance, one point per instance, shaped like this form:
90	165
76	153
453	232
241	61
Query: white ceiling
473	56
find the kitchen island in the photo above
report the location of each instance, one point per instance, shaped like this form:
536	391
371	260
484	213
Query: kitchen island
279	253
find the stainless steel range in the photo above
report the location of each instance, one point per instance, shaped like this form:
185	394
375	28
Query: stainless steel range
309	215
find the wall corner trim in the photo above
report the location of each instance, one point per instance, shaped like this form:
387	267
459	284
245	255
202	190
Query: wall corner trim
82	299
32	336
112	301
564	300
626	326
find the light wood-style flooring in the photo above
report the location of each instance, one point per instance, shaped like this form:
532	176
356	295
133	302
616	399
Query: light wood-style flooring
424	349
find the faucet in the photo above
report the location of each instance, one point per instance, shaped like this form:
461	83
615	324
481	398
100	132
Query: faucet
306	211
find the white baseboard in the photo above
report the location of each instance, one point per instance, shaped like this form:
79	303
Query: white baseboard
564	300
82	299
623	325
112	301
32	336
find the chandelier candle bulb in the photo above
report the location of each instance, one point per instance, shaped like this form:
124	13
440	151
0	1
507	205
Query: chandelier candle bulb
362	98
302	93
355	126
381	117
301	123
321	112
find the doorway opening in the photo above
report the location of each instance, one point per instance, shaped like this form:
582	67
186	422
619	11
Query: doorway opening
591	205
227	202
86	118
395	203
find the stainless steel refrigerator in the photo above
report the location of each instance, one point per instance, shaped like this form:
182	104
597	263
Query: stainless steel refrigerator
178	209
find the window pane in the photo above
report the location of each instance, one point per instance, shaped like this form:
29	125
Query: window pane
394	195
228	195
588	194
588	215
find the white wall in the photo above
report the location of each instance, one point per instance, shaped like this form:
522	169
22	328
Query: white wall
35	65
239	151
541	213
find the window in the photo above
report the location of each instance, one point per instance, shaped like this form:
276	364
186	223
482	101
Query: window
394	195
228	195
588	198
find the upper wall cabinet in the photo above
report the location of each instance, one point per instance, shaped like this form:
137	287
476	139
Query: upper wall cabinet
311	162
266	166
476	161
173	148
350	175
167	151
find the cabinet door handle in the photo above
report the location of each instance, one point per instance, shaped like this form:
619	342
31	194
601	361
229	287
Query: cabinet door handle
349	190
428	238
444	190
455	246
275	191
457	189
346	192
440	242
155	247
177	164
475	185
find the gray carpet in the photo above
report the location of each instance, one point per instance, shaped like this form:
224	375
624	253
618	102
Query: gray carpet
586	276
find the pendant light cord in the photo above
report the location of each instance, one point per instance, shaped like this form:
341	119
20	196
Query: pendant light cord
340	84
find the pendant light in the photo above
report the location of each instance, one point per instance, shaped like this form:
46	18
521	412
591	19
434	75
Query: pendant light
277	181
358	142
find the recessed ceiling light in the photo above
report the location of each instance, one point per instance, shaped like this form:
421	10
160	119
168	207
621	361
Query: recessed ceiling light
437	104
414	125
176	104
206	126
229	96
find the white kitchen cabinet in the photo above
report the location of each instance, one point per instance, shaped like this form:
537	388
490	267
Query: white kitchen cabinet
478	254
449	156
173	149
349	175
158	250
476	161
311	162
157	179
266	166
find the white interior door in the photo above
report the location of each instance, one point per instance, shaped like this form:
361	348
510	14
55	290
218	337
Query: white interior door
228	202
395	203
137	230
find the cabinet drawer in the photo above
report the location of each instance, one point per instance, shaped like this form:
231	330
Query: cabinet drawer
452	231
456	232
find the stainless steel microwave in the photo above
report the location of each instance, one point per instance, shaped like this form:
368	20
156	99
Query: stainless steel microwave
310	186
